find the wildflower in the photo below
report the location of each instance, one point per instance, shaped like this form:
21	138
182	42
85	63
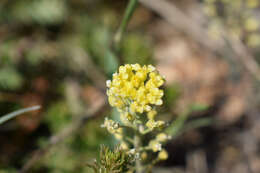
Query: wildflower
163	155
155	145
112	126
135	89
151	114
119	134
152	124
162	137
128	116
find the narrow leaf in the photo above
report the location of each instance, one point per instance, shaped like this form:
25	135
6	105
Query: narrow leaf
16	113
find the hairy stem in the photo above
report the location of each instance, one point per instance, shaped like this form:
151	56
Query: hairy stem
127	16
138	145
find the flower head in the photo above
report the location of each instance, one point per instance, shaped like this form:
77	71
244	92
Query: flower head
135	89
152	124
112	126
163	155
162	137
155	145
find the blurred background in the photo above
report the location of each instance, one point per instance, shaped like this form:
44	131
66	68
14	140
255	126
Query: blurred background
59	53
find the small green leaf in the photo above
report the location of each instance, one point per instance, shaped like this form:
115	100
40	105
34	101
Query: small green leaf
112	161
176	126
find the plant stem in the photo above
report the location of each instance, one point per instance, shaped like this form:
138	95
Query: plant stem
138	145
16	113
132	4
150	167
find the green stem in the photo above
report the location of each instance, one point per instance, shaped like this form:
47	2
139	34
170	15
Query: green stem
129	140
150	167
138	145
127	16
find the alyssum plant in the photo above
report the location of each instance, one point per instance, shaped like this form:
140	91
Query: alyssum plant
135	91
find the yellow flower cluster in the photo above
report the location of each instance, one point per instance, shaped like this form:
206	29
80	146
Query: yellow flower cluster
135	89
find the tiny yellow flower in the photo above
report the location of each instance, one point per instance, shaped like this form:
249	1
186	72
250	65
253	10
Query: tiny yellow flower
135	89
162	137
163	155
112	126
152	124
151	114
126	117
155	145
118	133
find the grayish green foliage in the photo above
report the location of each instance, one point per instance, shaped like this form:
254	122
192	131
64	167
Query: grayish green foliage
116	161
